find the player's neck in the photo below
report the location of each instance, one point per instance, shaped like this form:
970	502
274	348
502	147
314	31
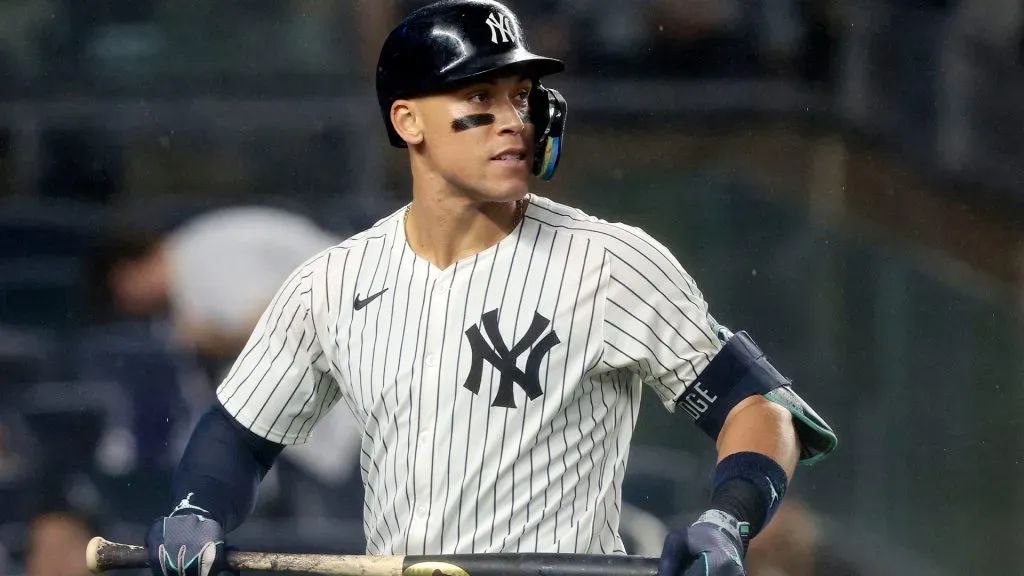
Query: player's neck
444	229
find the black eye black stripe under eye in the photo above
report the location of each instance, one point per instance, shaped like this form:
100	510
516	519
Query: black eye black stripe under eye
472	121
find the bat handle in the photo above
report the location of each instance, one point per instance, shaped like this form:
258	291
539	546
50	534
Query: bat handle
102	555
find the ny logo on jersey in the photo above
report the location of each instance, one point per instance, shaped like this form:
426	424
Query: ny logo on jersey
504	359
499	23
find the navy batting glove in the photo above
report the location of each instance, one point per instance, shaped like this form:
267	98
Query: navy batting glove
714	545
186	545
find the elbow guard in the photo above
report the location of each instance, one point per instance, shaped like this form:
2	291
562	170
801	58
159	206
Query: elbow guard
740	370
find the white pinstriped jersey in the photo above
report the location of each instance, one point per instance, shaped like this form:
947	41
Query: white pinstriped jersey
496	398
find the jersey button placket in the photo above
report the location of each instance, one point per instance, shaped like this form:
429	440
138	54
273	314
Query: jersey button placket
429	386
431	360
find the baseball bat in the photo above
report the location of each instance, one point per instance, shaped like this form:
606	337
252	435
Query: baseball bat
102	555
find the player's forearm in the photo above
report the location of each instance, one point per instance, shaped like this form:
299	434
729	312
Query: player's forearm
221	468
757	455
759	425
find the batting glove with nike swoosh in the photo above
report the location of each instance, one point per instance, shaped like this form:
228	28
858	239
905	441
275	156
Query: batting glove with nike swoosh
186	545
714	545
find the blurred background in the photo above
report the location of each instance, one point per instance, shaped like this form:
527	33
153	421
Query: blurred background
844	180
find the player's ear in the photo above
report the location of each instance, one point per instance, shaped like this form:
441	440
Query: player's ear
406	118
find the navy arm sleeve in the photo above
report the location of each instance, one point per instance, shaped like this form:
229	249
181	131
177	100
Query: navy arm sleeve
222	468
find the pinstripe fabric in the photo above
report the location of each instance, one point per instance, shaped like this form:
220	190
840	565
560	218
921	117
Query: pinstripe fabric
462	451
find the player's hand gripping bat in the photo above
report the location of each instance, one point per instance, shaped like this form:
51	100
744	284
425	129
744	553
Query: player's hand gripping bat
102	555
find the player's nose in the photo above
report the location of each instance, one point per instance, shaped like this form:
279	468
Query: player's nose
511	119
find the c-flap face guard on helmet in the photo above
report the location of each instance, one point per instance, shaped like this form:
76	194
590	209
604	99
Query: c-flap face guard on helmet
547	113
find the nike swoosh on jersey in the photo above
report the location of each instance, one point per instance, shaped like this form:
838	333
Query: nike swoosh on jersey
359	304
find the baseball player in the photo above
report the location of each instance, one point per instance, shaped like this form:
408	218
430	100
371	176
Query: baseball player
490	344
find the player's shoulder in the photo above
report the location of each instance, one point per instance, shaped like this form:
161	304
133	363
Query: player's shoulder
610	235
325	260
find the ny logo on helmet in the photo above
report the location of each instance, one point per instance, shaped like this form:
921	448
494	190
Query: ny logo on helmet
499	23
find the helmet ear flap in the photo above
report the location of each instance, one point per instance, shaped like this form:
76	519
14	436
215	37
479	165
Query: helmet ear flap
547	113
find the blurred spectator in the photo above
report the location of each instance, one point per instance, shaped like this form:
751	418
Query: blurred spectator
787	544
56	542
796	544
213	275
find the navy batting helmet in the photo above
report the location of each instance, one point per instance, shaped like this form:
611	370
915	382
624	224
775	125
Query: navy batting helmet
452	42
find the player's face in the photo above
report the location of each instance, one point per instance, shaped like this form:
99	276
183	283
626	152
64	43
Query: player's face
480	138
138	286
56	548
